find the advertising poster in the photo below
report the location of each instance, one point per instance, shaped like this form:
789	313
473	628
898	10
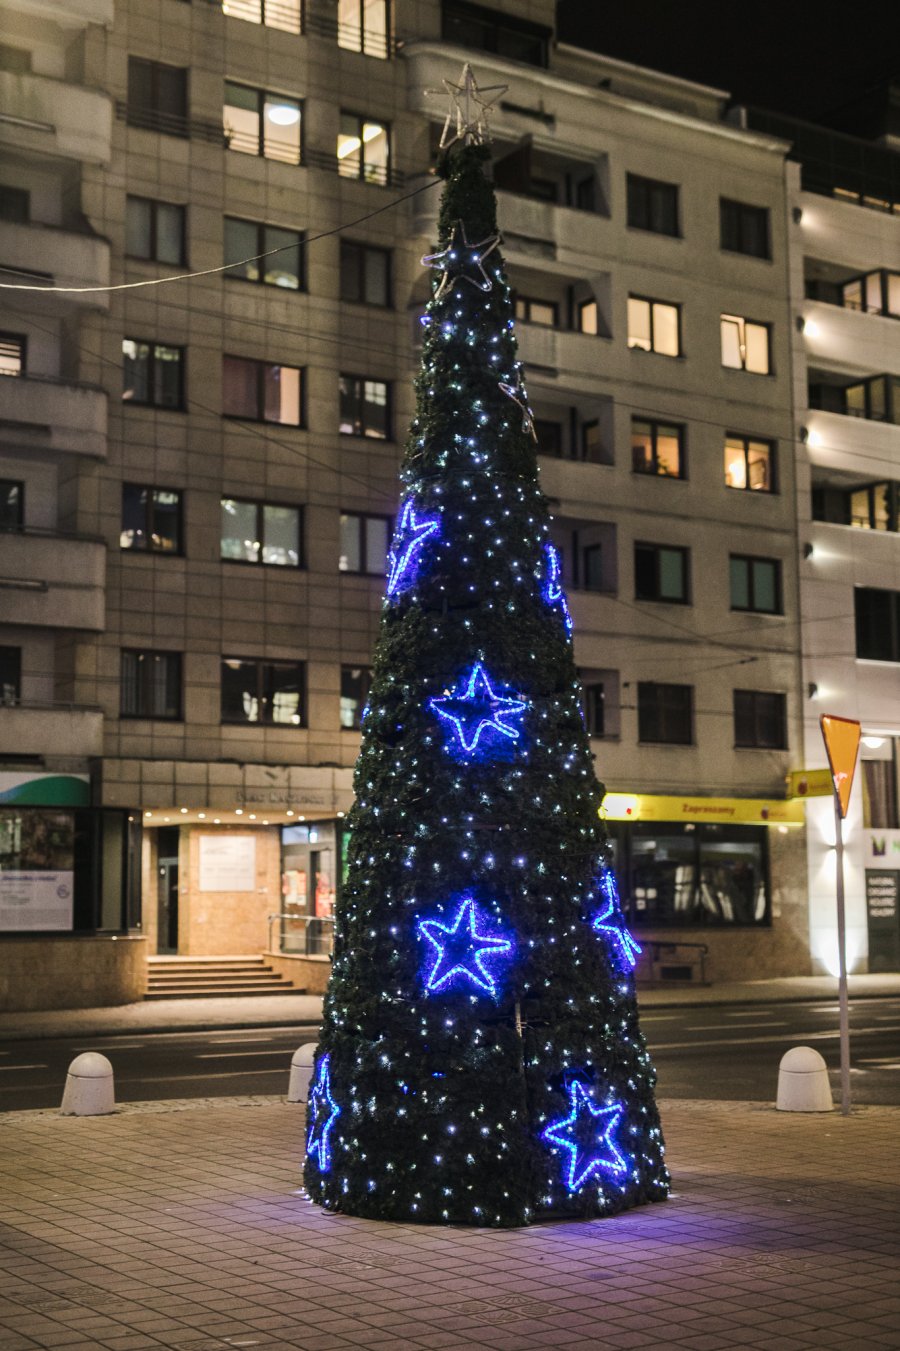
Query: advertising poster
227	863
36	870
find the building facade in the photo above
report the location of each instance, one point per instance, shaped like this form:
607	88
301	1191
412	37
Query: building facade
199	478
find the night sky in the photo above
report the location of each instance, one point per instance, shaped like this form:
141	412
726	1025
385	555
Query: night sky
800	57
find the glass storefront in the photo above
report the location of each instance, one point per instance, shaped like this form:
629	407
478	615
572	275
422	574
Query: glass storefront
311	859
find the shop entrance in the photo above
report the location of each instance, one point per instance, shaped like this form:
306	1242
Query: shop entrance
167	891
309	883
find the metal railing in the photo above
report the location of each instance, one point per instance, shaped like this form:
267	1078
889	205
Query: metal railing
314	936
285	15
379	174
266	146
171	124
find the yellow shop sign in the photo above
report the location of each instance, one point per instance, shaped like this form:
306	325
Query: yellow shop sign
810	783
745	810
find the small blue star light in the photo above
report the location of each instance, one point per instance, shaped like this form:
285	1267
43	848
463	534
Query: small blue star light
586	1135
611	923
460	950
323	1113
475	713
411	534
552	589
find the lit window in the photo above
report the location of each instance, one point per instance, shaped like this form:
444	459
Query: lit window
654	326
13	347
151	519
657	448
260	123
153	374
283	14
261	391
588	317
750	464
364	407
363	27
746	346
531	311
363	149
259	532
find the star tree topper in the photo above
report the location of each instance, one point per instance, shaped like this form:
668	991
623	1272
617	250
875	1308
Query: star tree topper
467	115
324	1112
461	261
460	951
586	1136
475	710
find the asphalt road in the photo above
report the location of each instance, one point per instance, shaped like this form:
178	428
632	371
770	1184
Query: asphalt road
714	1051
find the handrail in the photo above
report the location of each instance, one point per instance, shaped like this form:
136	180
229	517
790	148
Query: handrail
306	920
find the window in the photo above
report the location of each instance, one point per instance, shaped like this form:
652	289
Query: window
364	544
261	391
881	807
877	624
363	26
657	448
157	97
661	573
877	399
755	584
364	407
260	532
263	691
154	230
261	123
873	506
749	464
13	347
151	519
744	229
17	60
694	875
355	684
654	326
12	504
15	204
283	14
153	374
151	685
487	30
10	676
247	239
592	448
665	713
365	274
760	719
874	292
363	149
652	205
531	311
549	436
588	317
746	346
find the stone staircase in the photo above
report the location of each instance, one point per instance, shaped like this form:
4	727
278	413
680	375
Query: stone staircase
214	977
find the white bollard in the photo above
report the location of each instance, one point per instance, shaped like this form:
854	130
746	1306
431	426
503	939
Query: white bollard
302	1062
803	1082
89	1090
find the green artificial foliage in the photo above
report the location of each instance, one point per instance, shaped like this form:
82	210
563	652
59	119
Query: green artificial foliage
439	1099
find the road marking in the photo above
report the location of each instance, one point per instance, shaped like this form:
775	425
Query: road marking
6	1068
113	1045
881	1064
190	1078
237	1041
660	1018
802	1038
233	1055
730	1027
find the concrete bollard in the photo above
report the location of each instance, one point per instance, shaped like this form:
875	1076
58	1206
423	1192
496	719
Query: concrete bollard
803	1082
302	1062
89	1089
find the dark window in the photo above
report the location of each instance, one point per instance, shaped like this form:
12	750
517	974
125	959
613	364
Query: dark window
550	437
652	205
661	573
877	624
153	374
755	584
695	875
873	293
877	399
246	239
364	407
364	543
744	229
10	676
665	713
151	685
157	96
365	274
488	30
15	204
595	708
154	230
355	683
261	391
749	464
17	60
364	26
746	344
364	149
151	519
263	691
760	719
13	351
872	506
654	326
657	448
258	122
532	311
260	532
12	504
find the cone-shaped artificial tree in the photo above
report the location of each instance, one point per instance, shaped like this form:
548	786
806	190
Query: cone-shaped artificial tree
480	1060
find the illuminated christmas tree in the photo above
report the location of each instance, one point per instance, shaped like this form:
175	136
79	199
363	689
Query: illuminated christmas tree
480	1060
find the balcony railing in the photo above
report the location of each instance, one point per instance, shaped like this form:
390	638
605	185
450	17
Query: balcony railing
379	174
248	143
170	124
297	16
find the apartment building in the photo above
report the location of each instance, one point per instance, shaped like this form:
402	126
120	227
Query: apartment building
199	478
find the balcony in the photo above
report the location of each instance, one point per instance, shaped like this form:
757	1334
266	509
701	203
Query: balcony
53	581
41	116
836	441
850	341
51	729
70	13
847	234
46	414
65	258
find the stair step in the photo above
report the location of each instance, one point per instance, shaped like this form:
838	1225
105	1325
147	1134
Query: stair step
229	992
214	975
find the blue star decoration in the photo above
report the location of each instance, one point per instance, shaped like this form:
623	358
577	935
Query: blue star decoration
611	923
552	590
475	713
586	1136
323	1113
460	951
412	532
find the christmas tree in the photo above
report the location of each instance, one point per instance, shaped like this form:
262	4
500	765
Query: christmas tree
480	1060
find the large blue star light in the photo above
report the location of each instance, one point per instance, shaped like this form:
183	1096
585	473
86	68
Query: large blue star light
586	1136
476	714
460	951
552	589
323	1113
412	533
611	923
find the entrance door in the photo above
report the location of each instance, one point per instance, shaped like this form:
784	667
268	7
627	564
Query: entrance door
167	892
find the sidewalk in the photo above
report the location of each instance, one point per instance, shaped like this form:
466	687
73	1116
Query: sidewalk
200	1015
181	1225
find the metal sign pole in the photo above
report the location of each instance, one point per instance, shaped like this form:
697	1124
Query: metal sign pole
842	960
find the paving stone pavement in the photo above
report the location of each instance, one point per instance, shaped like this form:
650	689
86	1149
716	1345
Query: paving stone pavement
182	1225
